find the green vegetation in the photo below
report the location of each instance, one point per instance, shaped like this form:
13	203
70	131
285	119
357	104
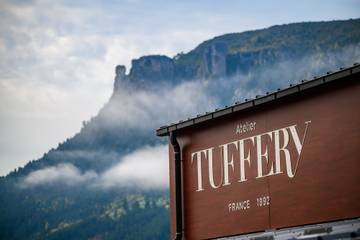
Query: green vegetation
251	49
58	211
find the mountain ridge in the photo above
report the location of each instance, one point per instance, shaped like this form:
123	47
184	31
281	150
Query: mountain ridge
221	54
157	90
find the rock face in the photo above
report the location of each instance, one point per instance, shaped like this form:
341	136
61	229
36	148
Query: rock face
152	69
120	77
76	212
238	53
146	71
213	61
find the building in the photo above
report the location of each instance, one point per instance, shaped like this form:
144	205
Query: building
281	166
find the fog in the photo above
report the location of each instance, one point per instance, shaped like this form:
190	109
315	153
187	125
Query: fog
145	168
147	109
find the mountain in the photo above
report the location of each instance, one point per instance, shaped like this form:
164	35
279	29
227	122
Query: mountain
239	53
104	182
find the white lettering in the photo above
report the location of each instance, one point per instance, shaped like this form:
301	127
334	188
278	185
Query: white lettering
261	156
199	168
227	163
277	140
238	206
211	168
245	127
244	158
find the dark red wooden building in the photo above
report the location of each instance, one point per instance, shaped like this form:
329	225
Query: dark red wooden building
282	166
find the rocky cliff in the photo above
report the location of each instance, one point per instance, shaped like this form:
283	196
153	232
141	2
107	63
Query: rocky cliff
158	89
239	53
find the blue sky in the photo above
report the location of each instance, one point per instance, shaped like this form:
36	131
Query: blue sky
57	58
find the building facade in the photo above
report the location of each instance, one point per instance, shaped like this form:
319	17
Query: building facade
284	165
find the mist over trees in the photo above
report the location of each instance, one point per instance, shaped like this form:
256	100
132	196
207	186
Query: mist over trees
92	185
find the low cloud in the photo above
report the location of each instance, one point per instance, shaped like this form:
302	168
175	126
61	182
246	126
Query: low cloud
153	108
145	110
163	104
145	168
62	58
62	173
57	64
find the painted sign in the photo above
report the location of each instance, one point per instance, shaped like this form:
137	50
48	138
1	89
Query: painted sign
263	140
285	164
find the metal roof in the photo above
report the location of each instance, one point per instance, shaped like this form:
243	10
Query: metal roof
280	93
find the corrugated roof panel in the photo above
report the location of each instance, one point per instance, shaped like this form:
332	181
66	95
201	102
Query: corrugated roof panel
264	99
286	92
337	75
311	84
203	118
222	112
243	106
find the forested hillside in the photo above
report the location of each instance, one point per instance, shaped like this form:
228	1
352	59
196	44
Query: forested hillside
87	188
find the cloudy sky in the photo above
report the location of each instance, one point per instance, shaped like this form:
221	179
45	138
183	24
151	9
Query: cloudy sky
57	58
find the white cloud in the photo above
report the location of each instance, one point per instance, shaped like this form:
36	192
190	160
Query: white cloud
145	168
57	68
62	173
57	58
150	109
